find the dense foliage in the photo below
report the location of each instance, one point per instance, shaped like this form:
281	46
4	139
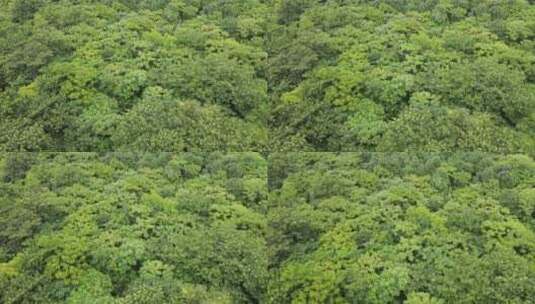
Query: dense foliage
226	228
411	75
278	75
402	228
132	75
132	228
190	151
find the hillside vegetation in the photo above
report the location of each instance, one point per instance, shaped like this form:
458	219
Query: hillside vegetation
132	75
267	151
411	75
132	228
400	228
412	228
258	75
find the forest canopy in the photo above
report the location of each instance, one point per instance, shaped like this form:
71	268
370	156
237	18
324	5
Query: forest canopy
132	228
400	228
267	151
132	75
412	75
267	75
